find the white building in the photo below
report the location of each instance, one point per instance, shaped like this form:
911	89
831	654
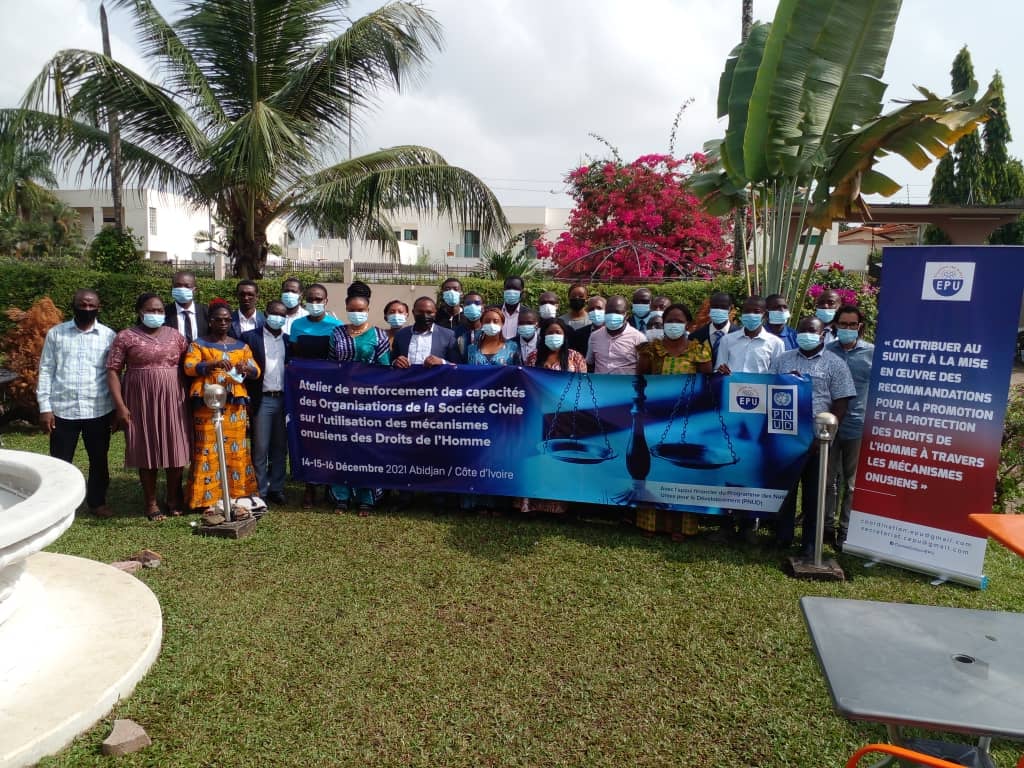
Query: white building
429	239
165	223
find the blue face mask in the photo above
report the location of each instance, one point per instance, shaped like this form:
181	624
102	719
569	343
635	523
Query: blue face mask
641	310
554	341
596	316
182	295
808	341
825	315
152	320
778	316
751	320
396	321
275	322
719	316
613	321
357	318
472	312
511	296
491	329
527	331
451	297
290	300
316	309
675	330
847	335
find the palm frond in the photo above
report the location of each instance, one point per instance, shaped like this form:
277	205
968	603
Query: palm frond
184	76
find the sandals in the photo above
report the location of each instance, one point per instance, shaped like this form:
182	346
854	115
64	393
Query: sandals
154	515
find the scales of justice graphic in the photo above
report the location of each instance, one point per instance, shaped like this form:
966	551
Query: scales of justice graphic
567	439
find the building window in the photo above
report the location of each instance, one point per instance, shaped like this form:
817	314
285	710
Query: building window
529	236
152	221
471	243
411	235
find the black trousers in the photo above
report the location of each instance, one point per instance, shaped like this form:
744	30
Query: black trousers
96	436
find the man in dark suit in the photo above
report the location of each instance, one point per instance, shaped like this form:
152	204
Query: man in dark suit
185	314
247	317
718	328
424	343
269	345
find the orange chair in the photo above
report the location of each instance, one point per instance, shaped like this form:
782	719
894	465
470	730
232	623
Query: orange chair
905	754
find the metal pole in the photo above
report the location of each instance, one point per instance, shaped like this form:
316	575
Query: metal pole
218	419
819	523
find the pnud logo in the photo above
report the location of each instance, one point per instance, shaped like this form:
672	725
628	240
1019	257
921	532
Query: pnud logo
748	398
948	281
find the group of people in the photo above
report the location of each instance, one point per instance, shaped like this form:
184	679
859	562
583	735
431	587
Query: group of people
148	380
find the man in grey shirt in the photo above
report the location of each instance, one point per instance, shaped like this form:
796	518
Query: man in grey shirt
832	388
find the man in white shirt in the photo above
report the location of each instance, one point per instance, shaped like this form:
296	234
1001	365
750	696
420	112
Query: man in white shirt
266	401
753	348
613	346
424	342
73	395
247	317
511	302
185	315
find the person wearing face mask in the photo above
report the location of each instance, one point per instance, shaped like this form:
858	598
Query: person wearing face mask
641	309
291	297
358	342
825	307
425	342
512	298
449	304
579	338
719	327
149	403
472	311
490	347
269	345
655	328
527	339
658	306
184	314
310	335
778	320
613	346
396	315
832	389
547	306
752	349
74	397
552	353
673	354
218	358
577	317
858	355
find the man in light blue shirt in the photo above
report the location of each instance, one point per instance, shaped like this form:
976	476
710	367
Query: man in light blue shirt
858	354
73	395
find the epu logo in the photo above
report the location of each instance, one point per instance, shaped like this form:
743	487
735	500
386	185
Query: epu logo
948	281
748	398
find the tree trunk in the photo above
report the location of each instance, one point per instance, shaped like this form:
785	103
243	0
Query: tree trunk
248	255
739	222
114	131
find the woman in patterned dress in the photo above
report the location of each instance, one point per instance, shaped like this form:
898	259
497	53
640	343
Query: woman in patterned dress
358	342
217	358
149	402
675	353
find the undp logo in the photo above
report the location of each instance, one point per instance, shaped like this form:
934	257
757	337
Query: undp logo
748	398
948	281
782	399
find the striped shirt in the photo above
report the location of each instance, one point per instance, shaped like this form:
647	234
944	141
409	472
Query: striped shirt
73	372
830	377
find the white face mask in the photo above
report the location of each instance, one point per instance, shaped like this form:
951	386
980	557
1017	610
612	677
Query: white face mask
653	334
547	311
491	329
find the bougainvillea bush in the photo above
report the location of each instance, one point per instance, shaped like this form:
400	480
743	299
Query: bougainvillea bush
637	220
852	287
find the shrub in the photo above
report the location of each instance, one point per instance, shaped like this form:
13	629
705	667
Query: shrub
1010	476
21	348
114	250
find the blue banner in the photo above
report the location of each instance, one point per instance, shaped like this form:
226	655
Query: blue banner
933	427
676	442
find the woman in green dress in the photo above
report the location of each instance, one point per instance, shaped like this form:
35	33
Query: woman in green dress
358	342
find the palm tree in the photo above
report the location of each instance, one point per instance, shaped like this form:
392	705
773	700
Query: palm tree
25	174
256	99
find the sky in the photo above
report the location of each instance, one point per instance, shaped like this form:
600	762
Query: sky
520	86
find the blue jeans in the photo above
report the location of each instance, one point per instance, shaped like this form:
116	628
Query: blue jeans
269	445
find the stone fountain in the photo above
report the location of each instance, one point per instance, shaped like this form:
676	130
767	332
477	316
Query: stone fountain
75	635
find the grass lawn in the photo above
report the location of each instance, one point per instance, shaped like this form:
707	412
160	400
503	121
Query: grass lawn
411	639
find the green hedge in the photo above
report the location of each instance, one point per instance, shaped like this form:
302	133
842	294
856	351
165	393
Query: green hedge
22	283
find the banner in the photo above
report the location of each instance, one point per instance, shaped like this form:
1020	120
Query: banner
676	442
944	348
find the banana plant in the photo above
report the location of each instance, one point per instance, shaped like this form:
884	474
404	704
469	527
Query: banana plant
803	96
